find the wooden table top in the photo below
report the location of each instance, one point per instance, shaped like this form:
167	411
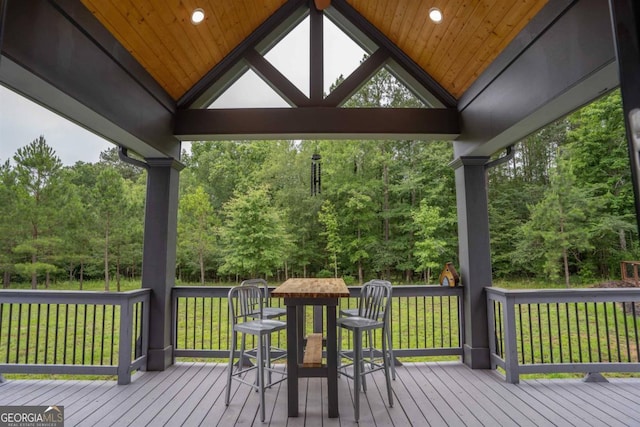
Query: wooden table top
312	288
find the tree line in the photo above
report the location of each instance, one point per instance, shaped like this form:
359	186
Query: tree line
561	207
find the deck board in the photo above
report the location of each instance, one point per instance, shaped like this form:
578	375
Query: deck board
434	394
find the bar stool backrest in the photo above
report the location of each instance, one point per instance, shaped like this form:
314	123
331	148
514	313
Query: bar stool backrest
245	303
261	283
375	299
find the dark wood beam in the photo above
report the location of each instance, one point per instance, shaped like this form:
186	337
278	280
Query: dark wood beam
357	79
275	79
316	56
316	122
198	95
396	53
69	64
569	64
625	18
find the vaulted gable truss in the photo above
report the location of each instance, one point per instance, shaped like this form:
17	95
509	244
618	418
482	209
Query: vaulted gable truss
316	115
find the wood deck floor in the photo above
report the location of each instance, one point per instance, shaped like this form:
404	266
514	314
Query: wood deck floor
439	394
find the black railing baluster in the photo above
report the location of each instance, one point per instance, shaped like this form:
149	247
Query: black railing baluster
566	310
84	336
18	334
559	332
531	345
433	321
441	323
549	334
75	332
626	331
417	334
28	347
540	333
93	335
3	324
635	329
113	333
598	337
579	336
615	319
450	321
498	319
9	332
210	323
104	307
203	330
55	341
66	331
586	318
522	349
608	333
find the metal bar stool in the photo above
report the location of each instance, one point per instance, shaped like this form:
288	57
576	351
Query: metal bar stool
245	315
351	312
373	311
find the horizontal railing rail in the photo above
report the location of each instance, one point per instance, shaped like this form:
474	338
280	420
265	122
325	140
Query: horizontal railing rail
74	332
591	330
425	321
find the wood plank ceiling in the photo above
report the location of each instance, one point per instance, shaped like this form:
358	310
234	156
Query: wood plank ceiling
160	35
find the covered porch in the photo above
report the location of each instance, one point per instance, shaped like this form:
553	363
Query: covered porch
73	61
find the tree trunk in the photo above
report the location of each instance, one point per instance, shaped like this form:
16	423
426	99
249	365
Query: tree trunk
385	210
118	273
34	275
623	240
47	280
565	260
360	272
81	274
106	259
201	261
6	280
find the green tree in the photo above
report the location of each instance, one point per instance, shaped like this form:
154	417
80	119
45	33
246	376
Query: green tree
429	247
559	225
197	228
253	237
111	209
329	220
38	174
10	225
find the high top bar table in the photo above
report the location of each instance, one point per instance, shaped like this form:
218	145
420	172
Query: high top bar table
297	294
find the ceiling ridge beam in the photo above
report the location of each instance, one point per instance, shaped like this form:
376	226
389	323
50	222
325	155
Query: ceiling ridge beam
396	53
233	59
359	77
276	80
316	122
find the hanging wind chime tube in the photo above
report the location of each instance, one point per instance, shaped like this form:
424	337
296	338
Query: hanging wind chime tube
316	175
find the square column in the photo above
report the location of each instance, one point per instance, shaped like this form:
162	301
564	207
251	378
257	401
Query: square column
159	256
474	250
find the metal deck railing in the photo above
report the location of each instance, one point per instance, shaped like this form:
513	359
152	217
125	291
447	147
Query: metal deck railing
564	331
74	332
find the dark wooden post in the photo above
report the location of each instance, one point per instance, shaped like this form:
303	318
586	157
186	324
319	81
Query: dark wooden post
159	256
475	259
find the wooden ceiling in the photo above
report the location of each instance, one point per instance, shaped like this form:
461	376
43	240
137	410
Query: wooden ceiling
160	35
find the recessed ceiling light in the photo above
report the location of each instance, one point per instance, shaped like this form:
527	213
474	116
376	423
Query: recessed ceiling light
435	15
197	16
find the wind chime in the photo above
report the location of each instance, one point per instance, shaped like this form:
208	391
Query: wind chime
316	174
